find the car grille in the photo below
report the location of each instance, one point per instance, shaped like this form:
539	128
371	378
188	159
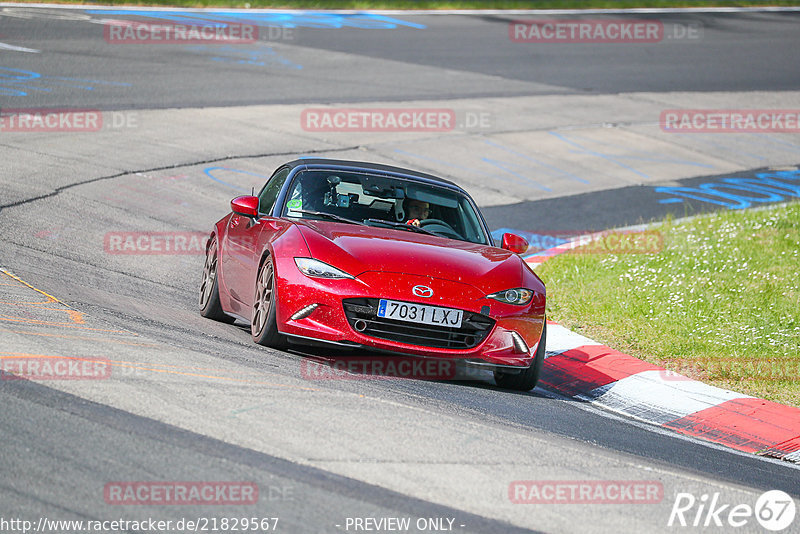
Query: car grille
473	330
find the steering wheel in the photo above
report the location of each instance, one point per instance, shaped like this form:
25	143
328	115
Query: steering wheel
447	229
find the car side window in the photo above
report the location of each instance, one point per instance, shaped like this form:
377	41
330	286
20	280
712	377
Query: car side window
268	195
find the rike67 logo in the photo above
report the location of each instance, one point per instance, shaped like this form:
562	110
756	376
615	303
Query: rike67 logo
774	510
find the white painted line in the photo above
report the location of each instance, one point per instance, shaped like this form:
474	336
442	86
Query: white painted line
649	396
560	339
4	46
667	432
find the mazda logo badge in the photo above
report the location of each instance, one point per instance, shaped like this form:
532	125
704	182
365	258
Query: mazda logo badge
422	291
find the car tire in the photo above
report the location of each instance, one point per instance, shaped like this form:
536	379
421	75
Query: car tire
210	306
525	380
264	323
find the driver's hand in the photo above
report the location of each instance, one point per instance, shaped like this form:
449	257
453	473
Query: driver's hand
413	222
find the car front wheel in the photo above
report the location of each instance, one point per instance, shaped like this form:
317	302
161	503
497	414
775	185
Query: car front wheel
527	379
264	324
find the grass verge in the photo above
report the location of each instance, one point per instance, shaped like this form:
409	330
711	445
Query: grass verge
720	303
433	4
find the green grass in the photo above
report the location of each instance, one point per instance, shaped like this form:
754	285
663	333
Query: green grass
720	303
437	4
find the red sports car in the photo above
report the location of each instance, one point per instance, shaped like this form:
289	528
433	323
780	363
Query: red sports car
364	255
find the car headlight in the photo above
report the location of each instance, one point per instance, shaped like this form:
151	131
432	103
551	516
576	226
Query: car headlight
519	296
319	269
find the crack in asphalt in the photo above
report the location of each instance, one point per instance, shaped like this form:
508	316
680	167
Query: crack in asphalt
61	189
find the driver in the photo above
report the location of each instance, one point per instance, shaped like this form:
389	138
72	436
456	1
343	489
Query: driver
416	210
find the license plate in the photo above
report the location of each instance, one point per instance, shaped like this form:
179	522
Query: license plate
419	313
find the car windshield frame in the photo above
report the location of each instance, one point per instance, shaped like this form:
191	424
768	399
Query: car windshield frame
464	221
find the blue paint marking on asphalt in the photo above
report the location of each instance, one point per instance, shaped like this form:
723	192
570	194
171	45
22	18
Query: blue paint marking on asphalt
557	171
615	158
16	82
584	150
739	193
17	91
771	141
261	57
519	177
309	19
648	156
15	77
210	170
668	160
448	163
695	138
507	167
519	171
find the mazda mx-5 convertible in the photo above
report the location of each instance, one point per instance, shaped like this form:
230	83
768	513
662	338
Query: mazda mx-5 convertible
362	255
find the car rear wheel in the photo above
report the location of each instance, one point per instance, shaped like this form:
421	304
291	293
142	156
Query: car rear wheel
210	306
525	380
264	325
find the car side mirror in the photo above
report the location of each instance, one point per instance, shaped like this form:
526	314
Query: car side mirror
514	243
246	205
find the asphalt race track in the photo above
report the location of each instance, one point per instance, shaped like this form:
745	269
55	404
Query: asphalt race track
547	137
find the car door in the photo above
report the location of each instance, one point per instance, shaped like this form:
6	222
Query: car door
245	239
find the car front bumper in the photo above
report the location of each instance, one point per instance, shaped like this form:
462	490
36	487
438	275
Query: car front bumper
317	306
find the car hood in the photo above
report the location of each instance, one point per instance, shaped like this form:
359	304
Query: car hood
359	249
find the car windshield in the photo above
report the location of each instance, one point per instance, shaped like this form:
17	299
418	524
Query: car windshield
383	201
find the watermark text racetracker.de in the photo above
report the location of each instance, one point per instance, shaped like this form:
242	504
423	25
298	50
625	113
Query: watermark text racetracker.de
598	31
392	119
586	492
606	242
386	367
730	120
155	243
150	525
180	493
134	32
65	120
40	368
